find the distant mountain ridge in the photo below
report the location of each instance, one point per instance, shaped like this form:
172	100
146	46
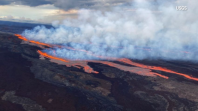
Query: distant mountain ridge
18	27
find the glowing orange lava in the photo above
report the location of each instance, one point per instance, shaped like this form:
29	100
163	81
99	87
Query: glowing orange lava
88	69
31	41
139	69
156	68
21	37
51	57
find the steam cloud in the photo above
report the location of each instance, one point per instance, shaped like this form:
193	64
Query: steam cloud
143	30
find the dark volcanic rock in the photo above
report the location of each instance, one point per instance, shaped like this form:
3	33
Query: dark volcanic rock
28	83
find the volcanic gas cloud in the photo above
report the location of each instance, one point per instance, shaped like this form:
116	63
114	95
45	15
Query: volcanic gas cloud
141	30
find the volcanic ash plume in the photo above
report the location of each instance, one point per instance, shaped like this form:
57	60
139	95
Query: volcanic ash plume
141	30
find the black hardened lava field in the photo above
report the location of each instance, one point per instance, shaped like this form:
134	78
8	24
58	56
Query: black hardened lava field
98	55
33	80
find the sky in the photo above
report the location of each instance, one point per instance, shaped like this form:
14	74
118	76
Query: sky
42	13
47	11
156	24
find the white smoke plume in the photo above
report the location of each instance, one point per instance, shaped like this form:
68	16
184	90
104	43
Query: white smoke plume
143	30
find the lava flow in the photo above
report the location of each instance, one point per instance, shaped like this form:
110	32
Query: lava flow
51	57
31	41
138	69
156	68
88	69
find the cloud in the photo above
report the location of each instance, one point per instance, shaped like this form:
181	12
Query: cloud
59	15
33	2
25	2
147	32
78	4
16	19
44	13
68	4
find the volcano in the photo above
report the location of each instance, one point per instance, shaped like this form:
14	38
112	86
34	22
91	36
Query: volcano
34	80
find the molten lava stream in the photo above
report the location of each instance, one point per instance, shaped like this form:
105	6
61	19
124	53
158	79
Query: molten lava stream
51	57
124	60
136	70
31	41
88	69
69	63
156	68
48	45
